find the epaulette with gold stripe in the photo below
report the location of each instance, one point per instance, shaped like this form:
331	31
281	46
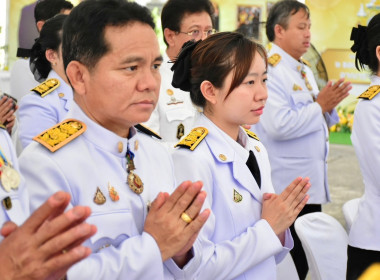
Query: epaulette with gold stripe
59	135
370	93
274	59
251	134
147	130
304	61
2	126
46	87
192	140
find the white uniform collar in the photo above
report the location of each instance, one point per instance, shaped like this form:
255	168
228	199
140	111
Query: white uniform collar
242	150
375	80
105	139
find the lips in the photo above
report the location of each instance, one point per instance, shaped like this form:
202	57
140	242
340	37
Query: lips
259	110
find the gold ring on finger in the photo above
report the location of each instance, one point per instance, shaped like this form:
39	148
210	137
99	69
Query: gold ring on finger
186	218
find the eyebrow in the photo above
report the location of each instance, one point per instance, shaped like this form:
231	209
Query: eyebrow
257	74
132	59
198	26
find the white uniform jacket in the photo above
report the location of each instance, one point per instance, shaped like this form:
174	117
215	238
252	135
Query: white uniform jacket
365	230
18	198
293	128
37	113
174	108
121	250
22	79
236	242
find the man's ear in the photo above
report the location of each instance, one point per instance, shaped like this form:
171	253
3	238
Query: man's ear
78	74
39	24
209	92
278	31
169	36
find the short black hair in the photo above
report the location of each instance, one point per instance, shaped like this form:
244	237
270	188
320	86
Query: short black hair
46	9
174	11
280	14
50	39
83	32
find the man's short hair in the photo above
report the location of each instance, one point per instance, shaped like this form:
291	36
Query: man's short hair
46	9
280	13
174	11
84	30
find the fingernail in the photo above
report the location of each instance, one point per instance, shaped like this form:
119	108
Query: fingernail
59	196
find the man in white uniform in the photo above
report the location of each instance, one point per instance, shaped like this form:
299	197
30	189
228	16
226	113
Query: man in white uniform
294	126
98	156
181	21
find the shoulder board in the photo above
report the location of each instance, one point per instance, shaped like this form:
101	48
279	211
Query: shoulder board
252	135
370	93
274	59
147	130
59	135
46	87
192	140
304	61
2	126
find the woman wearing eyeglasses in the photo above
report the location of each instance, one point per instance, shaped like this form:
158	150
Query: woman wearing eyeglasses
247	232
49	102
181	21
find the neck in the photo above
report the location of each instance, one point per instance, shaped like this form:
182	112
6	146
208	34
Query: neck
60	73
171	53
111	126
296	56
231	130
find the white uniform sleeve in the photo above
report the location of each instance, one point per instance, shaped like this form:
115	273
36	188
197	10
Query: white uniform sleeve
283	119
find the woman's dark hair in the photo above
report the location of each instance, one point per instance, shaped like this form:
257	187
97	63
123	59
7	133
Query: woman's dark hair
212	60
50	39
366	39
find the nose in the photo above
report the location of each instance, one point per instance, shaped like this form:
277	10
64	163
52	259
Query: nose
261	93
204	35
150	80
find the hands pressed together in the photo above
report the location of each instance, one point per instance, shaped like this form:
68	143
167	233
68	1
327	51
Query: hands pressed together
280	211
332	94
173	234
48	243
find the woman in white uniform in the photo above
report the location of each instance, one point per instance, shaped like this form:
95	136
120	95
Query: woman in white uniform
49	102
364	237
247	232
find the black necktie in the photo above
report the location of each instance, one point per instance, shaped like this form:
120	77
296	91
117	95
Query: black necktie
254	168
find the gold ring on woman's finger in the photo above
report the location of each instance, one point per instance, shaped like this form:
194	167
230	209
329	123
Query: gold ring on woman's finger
186	218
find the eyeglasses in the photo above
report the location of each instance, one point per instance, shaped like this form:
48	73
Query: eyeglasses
197	33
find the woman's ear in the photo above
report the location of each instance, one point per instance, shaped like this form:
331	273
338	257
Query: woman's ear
51	56
77	74
209	92
378	57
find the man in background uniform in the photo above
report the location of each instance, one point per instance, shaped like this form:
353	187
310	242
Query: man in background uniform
294	126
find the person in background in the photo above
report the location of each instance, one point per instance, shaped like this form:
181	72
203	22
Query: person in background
294	126
364	237
31	247
20	70
104	162
181	21
50	101
247	233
